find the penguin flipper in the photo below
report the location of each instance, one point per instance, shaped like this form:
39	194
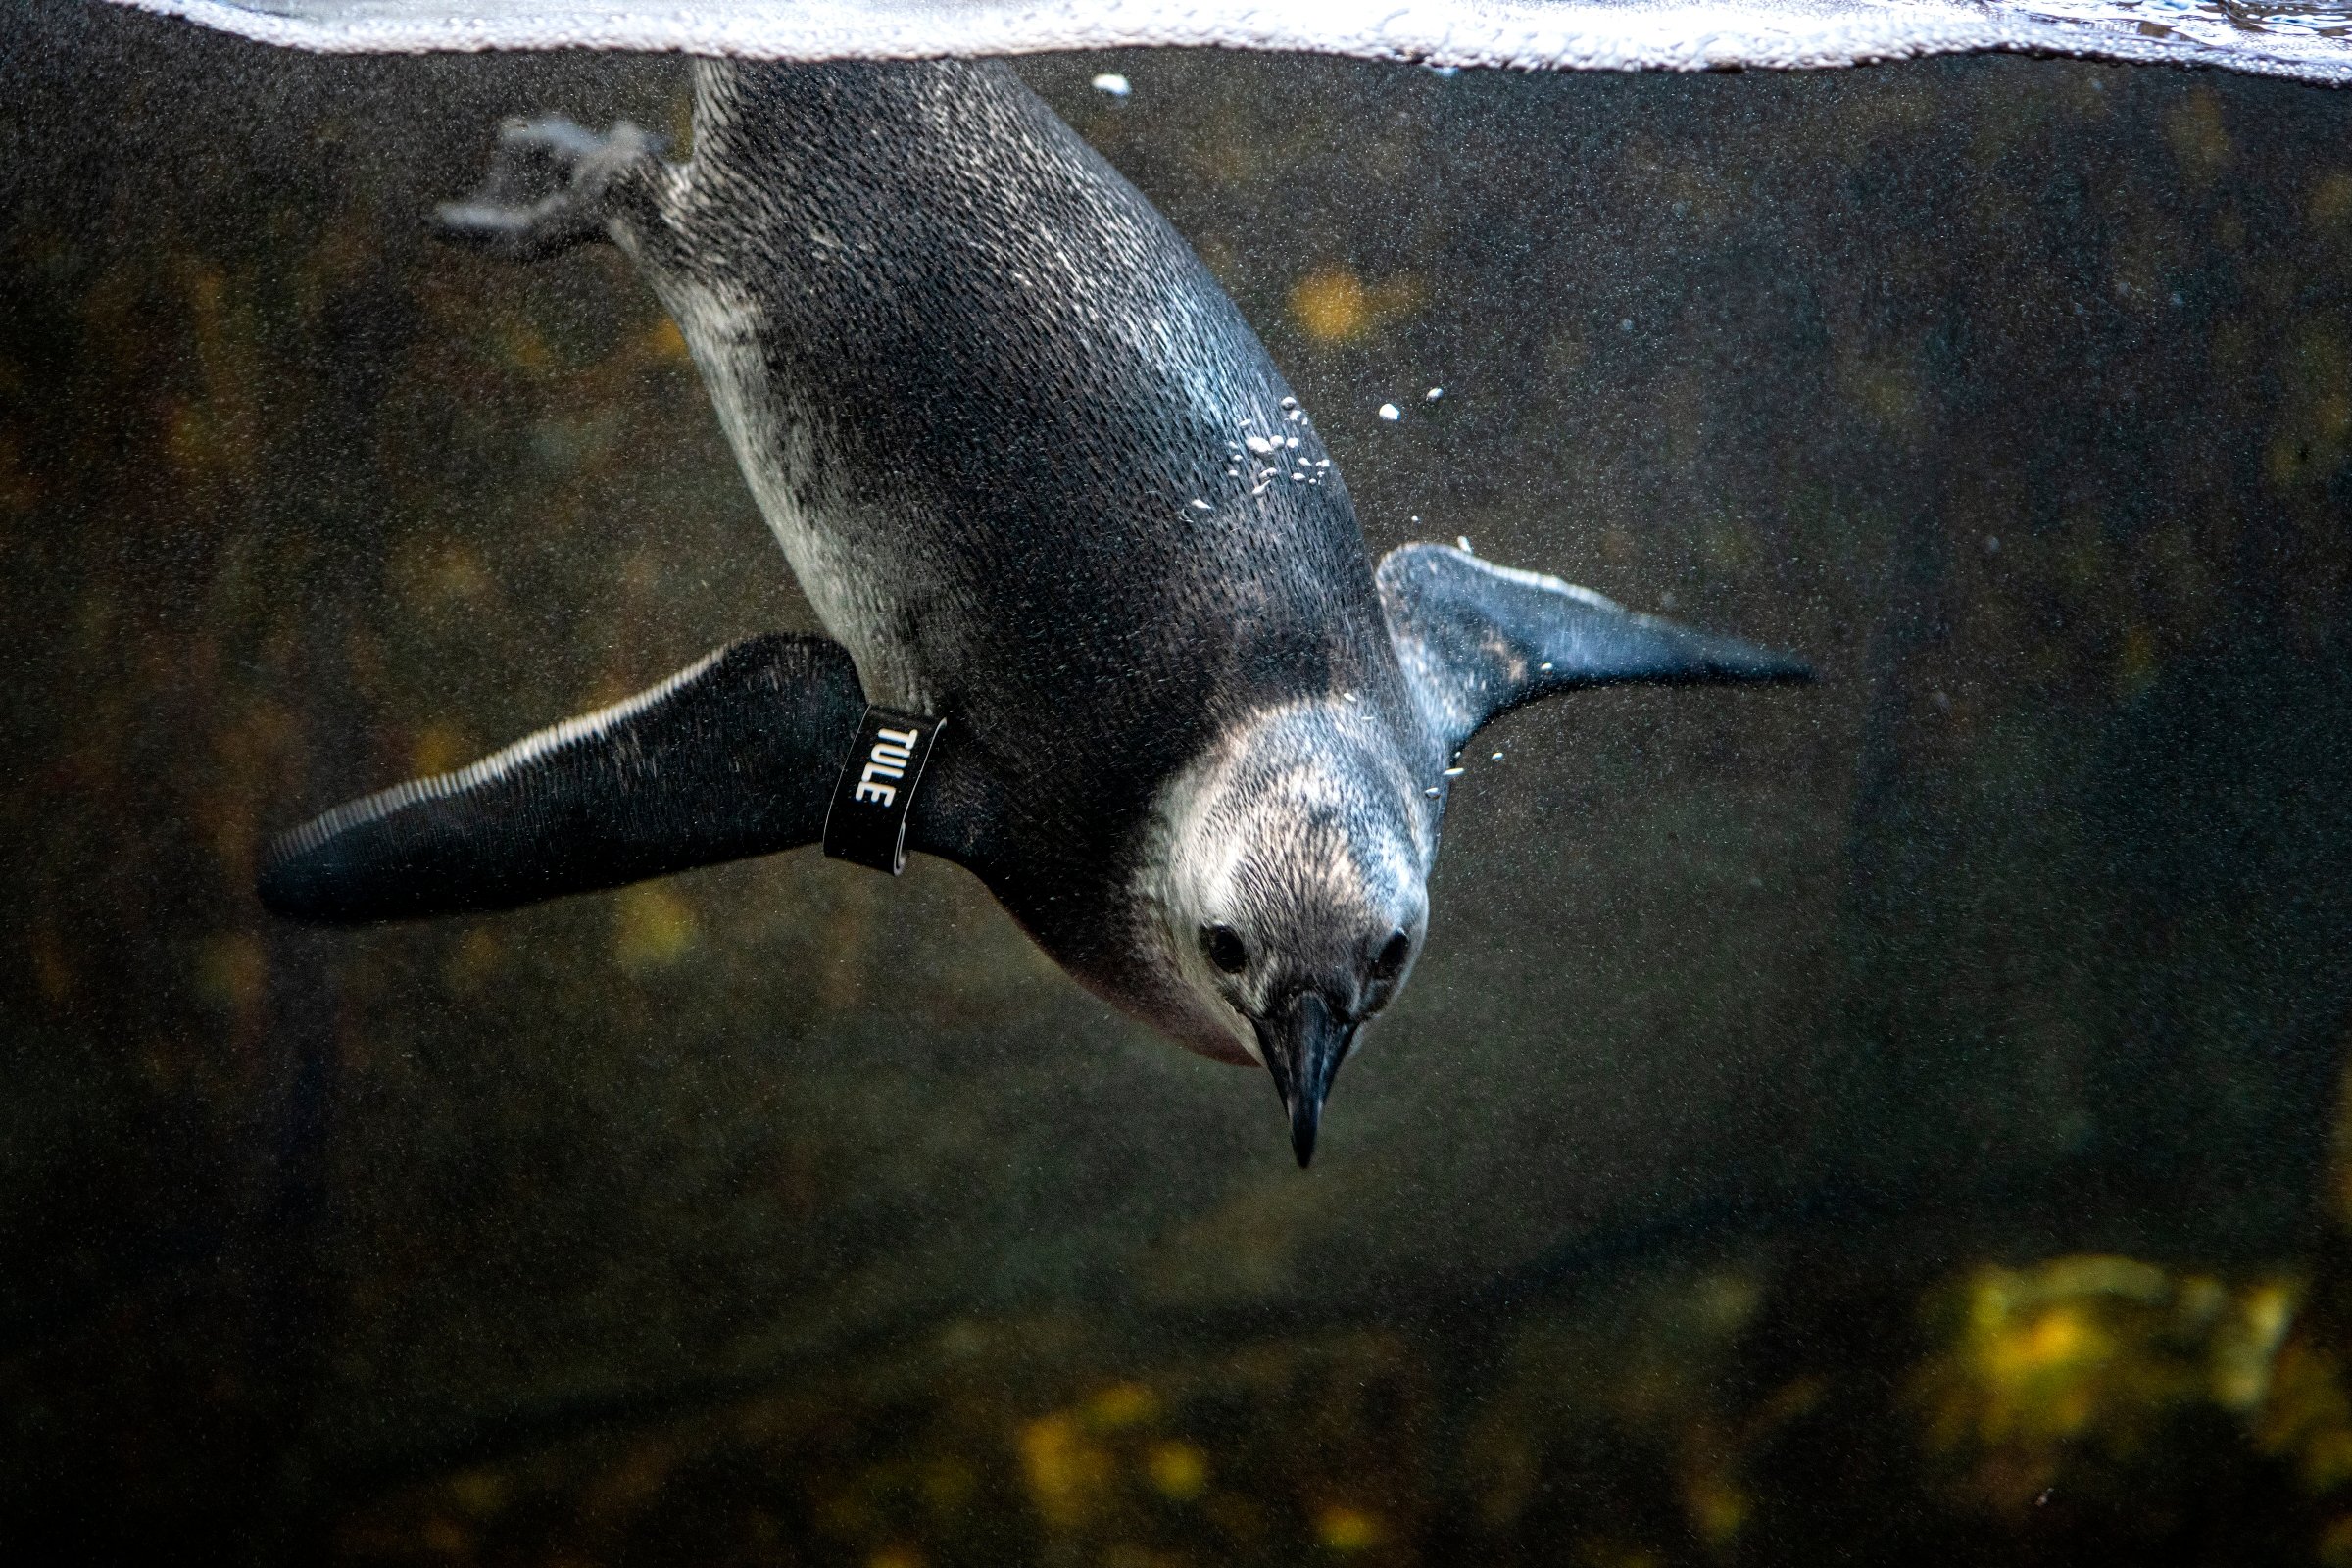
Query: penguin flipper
735	756
1478	640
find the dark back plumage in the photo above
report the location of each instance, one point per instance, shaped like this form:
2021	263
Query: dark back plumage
1032	410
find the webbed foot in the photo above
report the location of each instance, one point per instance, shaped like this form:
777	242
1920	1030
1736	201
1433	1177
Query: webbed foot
552	184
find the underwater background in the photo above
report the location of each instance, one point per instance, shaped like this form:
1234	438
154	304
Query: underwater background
1893	1119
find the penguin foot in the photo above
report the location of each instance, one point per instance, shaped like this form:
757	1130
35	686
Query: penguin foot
552	185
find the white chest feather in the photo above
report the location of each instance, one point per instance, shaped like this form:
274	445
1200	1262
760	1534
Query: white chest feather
845	560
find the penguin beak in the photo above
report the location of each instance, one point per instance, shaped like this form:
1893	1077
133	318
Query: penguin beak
1304	1048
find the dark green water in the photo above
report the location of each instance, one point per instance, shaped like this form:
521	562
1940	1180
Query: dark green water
1890	1119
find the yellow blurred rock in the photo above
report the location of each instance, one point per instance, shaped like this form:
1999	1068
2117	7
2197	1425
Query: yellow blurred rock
652	927
1343	1528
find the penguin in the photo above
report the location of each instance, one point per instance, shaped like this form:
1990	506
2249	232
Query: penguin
1104	628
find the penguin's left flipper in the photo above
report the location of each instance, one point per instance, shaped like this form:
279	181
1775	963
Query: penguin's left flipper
733	756
1478	640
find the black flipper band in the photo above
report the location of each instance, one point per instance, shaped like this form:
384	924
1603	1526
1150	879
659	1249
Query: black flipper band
1479	640
731	758
868	821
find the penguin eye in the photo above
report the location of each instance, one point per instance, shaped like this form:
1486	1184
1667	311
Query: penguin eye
1393	954
1224	947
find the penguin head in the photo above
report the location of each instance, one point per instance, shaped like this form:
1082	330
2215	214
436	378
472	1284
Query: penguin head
1294	892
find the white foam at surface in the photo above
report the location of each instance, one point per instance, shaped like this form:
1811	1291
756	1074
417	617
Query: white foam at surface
2308	40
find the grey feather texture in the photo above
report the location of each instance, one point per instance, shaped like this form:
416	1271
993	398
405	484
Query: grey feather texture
2308	40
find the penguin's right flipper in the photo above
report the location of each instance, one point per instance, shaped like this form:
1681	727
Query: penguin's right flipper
1479	640
552	185
733	756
